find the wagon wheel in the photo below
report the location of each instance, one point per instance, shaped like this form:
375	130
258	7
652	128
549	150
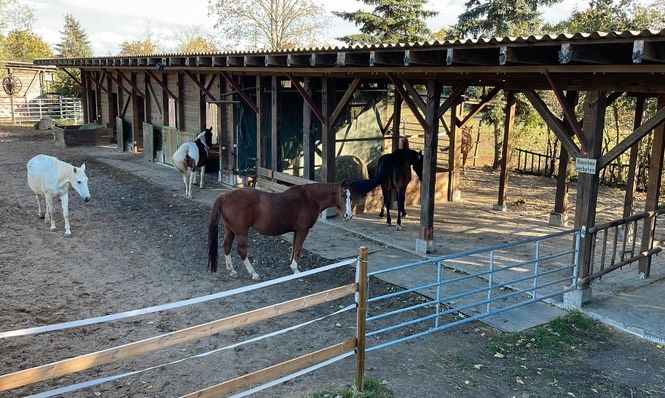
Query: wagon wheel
12	85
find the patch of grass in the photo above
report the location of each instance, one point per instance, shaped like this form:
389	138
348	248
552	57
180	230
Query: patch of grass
554	339
372	388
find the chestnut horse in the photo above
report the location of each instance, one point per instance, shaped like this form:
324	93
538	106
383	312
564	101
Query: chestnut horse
294	210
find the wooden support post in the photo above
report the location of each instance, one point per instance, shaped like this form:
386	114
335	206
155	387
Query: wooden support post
84	98
587	184
202	102
112	107
307	136
136	121
227	135
260	158
454	155
180	122
148	99
98	100
361	325
166	110
631	180
559	217
397	120
507	150
327	135
653	190
425	243
274	142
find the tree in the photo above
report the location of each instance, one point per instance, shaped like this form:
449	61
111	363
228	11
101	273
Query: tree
612	15
74	40
190	40
22	45
139	47
14	15
273	24
500	17
391	21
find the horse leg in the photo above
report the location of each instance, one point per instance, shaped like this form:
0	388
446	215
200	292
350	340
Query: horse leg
242	251
202	172
51	210
192	176
299	237
64	199
401	195
386	202
39	207
184	180
228	241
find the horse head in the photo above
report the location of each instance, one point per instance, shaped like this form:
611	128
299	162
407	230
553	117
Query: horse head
416	159
206	137
343	200
80	182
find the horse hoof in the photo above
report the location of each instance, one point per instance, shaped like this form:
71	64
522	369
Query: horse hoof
233	274
68	234
398	228
54	229
296	271
41	216
255	277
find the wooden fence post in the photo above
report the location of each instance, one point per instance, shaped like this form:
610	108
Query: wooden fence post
361	302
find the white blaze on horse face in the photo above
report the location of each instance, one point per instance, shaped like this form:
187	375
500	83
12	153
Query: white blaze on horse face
348	212
80	183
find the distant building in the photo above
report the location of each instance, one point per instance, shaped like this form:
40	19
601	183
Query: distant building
32	83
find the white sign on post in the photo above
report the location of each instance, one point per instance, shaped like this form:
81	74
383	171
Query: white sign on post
584	165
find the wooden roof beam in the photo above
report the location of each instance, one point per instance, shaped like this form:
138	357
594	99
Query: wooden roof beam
77	80
161	84
348	94
131	84
386	58
325	59
118	81
235	60
469	56
541	55
254	60
648	52
424	58
568	113
454	97
352	59
201	86
479	106
634	137
275	60
595	54
298	60
409	101
553	123
308	99
240	91
415	96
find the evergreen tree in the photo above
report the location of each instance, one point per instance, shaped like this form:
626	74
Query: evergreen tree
74	40
391	21
500	17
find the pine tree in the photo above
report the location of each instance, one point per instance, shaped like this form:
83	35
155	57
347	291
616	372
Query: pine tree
500	17
74	40
391	21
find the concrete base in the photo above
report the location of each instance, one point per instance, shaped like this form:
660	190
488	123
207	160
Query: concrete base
574	300
424	246
558	219
330	212
457	195
499	207
227	177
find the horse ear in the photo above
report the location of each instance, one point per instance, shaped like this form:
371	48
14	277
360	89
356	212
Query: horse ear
83	168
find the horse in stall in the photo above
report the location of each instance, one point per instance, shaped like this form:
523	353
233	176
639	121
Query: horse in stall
49	177
393	173
193	156
294	210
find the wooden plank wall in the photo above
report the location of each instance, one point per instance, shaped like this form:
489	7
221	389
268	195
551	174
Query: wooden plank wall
191	103
156	104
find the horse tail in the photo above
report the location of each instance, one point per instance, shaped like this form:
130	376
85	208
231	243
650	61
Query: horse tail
362	187
213	233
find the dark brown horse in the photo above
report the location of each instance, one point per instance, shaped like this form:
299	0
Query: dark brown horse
294	210
393	173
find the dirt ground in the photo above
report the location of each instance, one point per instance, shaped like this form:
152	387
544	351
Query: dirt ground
136	244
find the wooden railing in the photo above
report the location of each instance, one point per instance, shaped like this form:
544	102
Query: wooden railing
82	362
529	162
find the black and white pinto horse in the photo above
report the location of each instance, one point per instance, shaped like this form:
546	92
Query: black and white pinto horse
193	156
392	173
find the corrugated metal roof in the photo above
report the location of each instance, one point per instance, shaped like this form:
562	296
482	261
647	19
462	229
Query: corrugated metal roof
481	41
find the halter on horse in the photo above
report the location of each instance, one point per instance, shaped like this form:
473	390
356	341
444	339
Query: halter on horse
193	156
393	173
294	210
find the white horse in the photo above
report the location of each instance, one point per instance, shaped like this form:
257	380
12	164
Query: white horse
49	177
193	156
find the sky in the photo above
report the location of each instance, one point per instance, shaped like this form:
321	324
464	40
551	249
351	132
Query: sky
109	23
